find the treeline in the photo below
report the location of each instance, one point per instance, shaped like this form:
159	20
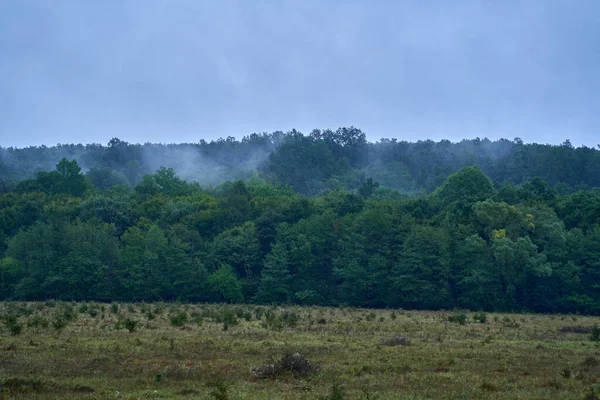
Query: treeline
316	162
467	244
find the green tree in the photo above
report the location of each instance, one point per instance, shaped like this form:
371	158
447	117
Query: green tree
275	278
225	285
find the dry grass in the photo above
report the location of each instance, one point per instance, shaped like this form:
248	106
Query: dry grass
215	350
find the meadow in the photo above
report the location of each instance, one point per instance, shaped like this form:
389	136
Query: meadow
63	350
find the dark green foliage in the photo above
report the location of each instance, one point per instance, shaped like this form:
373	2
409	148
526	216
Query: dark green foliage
336	393
290	363
59	322
179	318
458	318
12	323
220	392
473	227
128	323
595	335
38	320
480	317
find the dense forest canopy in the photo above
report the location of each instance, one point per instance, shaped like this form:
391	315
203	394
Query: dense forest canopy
325	218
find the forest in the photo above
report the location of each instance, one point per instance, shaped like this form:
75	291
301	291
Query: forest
325	218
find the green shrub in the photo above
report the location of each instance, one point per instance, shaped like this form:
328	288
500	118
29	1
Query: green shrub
59	322
480	317
227	317
220	391
37	321
179	319
595	336
69	313
458	318
128	323
336	393
12	324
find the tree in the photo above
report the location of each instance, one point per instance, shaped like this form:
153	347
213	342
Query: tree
275	278
225	285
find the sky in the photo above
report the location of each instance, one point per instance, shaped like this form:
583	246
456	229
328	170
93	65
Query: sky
170	71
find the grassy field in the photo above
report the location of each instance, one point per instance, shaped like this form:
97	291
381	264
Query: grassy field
164	351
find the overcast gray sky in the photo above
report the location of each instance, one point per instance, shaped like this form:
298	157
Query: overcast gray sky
183	70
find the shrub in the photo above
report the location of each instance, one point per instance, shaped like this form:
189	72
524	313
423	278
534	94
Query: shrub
576	329
289	318
69	313
289	363
59	322
480	317
130	324
458	318
227	316
179	318
12	324
37	321
595	336
220	391
336	393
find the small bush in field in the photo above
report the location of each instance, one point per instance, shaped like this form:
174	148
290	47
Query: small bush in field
128	323
595	336
295	364
480	317
458	318
336	393
12	324
59	322
37	321
179	319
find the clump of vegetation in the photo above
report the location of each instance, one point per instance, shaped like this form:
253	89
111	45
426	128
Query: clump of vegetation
128	323
38	321
12	324
220	392
480	317
292	363
510	322
595	335
458	318
69	313
576	329
59	322
289	318
490	386
336	393
179	318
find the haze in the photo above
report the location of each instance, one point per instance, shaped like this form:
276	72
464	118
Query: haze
76	71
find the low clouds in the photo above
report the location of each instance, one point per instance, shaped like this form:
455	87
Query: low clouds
183	70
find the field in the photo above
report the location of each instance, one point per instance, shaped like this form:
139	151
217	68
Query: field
165	351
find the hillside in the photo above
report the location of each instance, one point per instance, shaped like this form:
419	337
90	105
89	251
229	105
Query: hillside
324	219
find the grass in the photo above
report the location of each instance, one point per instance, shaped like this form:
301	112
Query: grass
91	353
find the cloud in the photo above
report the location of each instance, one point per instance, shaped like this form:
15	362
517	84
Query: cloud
151	70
